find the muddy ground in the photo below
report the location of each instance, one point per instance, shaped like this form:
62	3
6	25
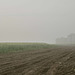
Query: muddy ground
53	61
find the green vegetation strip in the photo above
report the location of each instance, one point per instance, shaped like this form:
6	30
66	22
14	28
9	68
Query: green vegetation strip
12	47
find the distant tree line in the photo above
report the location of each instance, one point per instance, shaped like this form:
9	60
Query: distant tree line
70	39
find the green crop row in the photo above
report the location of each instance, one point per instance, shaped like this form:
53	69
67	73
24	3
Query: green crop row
11	47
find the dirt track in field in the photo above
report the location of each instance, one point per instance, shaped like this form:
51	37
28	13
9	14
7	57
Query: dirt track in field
54	61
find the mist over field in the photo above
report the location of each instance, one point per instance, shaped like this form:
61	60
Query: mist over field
36	20
37	37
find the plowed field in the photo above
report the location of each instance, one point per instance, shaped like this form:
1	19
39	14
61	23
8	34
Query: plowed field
53	61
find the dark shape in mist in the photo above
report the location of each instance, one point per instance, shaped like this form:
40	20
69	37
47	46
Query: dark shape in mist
70	39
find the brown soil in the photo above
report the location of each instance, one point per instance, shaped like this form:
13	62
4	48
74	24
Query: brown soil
54	61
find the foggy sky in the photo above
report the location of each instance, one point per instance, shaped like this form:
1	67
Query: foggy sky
36	20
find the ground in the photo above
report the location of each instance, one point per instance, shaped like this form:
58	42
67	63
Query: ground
58	60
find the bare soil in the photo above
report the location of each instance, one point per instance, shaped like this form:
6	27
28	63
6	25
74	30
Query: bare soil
53	61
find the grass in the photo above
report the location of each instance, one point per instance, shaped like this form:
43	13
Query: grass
12	47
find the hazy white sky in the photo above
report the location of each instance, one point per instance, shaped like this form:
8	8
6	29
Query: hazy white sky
36	20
